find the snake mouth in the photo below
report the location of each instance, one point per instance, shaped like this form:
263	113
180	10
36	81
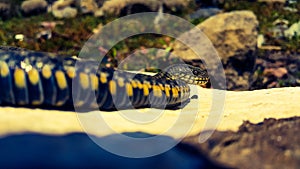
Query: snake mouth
201	80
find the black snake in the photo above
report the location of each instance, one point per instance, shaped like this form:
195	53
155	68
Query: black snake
30	78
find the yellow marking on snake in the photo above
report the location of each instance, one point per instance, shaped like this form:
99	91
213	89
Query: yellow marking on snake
157	91
112	87
4	69
139	85
94	105
103	78
33	76
19	76
59	103
79	103
36	102
94	82
161	86
167	90
129	89
134	84
148	84
145	89
61	79
84	80
46	72
121	82
175	91
71	72
21	103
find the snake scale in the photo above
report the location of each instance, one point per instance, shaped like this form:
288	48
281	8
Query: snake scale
31	78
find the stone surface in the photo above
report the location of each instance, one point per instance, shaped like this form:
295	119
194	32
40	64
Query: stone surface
5	10
268	144
33	7
293	30
273	1
67	12
239	106
204	12
62	4
116	7
276	69
64	9
233	35
88	6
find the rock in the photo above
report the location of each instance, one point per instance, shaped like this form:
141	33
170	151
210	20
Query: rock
33	7
277	72
289	9
19	37
293	68
5	10
67	12
234	36
293	30
234	81
125	7
273	1
64	9
69	8
51	1
176	5
254	143
276	69
209	3
205	12
88	6
260	40
44	35
291	2
100	2
99	13
62	4
239	106
279	28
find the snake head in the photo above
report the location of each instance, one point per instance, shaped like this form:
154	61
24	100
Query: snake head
189	74
199	76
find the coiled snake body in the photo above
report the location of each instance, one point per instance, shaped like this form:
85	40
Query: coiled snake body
29	78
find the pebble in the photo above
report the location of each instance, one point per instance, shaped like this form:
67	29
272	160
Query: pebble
64	9
33	7
4	10
205	13
67	12
277	72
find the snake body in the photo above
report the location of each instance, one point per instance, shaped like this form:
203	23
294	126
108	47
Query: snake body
30	78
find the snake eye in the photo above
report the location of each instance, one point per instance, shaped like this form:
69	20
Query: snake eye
195	72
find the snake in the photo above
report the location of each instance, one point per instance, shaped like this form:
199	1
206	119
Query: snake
40	79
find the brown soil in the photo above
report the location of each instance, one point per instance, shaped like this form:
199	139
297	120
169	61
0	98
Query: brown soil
269	144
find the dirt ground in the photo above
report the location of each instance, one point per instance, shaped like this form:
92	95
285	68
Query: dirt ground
269	144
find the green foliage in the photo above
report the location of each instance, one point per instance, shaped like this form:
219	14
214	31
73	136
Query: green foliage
67	38
197	21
